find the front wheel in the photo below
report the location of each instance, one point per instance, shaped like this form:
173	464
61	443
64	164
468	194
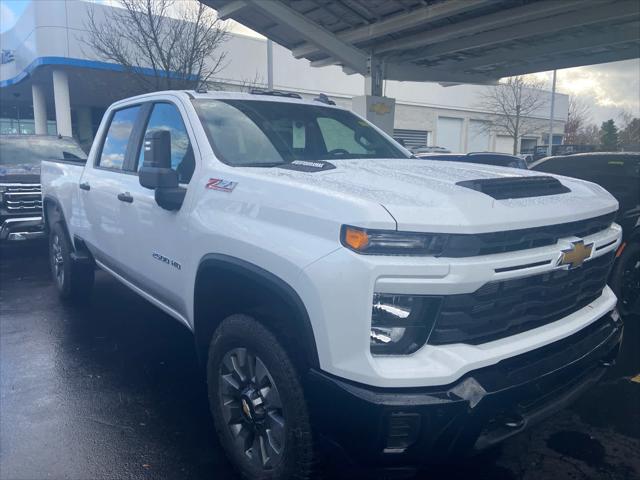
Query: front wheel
625	279
74	281
257	402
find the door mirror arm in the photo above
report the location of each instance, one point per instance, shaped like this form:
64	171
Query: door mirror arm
170	198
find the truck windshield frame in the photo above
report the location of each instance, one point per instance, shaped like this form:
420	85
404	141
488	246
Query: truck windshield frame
262	133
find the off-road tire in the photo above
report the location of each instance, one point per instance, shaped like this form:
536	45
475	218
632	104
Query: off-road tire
298	455
73	280
627	260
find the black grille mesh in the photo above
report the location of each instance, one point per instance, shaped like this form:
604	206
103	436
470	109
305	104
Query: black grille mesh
471	245
502	309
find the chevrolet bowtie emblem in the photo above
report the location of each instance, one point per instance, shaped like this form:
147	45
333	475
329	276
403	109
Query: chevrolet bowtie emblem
576	255
380	108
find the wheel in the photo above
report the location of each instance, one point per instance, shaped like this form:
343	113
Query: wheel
257	402
625	279
74	281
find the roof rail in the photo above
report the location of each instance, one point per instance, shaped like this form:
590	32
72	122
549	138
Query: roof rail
324	99
274	93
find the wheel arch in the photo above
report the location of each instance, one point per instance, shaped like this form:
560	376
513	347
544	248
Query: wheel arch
52	212
242	287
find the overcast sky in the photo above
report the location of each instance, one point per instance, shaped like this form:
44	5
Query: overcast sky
607	89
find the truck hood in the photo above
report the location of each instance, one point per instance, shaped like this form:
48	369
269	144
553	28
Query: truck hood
423	195
20	173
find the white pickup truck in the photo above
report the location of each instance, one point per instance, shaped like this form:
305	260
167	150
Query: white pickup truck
338	289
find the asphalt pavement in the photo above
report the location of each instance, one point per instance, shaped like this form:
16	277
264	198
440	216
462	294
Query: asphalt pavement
112	390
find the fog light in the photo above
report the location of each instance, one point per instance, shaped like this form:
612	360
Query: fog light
401	324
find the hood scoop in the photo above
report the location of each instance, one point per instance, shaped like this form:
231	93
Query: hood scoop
516	187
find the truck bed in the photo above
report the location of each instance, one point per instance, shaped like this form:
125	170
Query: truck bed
60	180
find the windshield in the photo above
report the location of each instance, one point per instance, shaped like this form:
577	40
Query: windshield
264	133
32	149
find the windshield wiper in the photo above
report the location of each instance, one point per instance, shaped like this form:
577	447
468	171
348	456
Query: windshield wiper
262	164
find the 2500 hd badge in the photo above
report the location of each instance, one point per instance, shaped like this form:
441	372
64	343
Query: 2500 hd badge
166	260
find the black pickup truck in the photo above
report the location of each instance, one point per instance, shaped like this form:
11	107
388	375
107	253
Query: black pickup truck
20	196
619	173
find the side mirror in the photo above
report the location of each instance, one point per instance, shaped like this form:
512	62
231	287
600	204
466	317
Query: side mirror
156	172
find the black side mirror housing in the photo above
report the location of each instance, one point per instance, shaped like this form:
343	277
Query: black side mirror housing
156	172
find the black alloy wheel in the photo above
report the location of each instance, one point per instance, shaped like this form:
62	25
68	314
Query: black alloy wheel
252	408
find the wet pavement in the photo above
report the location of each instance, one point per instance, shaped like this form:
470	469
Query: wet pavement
112	390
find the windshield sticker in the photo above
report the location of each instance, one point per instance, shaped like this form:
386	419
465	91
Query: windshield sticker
221	185
299	135
308	166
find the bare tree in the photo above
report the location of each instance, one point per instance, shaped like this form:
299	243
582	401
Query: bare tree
630	131
587	135
577	120
160	51
512	106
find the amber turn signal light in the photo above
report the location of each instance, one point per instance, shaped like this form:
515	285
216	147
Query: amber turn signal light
356	239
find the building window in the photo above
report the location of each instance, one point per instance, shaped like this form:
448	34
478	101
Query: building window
557	139
412	139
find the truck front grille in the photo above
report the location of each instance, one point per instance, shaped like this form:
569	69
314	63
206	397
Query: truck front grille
501	309
25	198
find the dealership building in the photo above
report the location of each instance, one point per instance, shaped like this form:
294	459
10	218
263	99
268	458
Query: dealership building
52	82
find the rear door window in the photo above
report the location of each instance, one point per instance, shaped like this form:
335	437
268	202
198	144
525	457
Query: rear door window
114	148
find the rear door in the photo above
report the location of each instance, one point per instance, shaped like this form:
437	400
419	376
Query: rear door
155	246
101	183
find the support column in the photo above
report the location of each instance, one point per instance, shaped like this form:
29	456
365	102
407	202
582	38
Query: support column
270	64
84	130
39	109
465	135
63	104
372	105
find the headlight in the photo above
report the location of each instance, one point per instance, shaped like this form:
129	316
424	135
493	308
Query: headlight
391	242
401	324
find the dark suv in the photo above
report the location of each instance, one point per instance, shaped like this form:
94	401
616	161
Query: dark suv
20	197
619	173
486	158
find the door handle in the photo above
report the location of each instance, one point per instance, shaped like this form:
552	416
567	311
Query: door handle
85	186
125	197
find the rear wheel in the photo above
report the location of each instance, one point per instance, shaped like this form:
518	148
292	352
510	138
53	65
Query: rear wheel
257	402
625	279
74	281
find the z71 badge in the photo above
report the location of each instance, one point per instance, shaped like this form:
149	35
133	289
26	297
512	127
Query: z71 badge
221	185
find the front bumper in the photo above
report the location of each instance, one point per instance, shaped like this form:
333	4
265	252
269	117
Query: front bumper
22	228
413	426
